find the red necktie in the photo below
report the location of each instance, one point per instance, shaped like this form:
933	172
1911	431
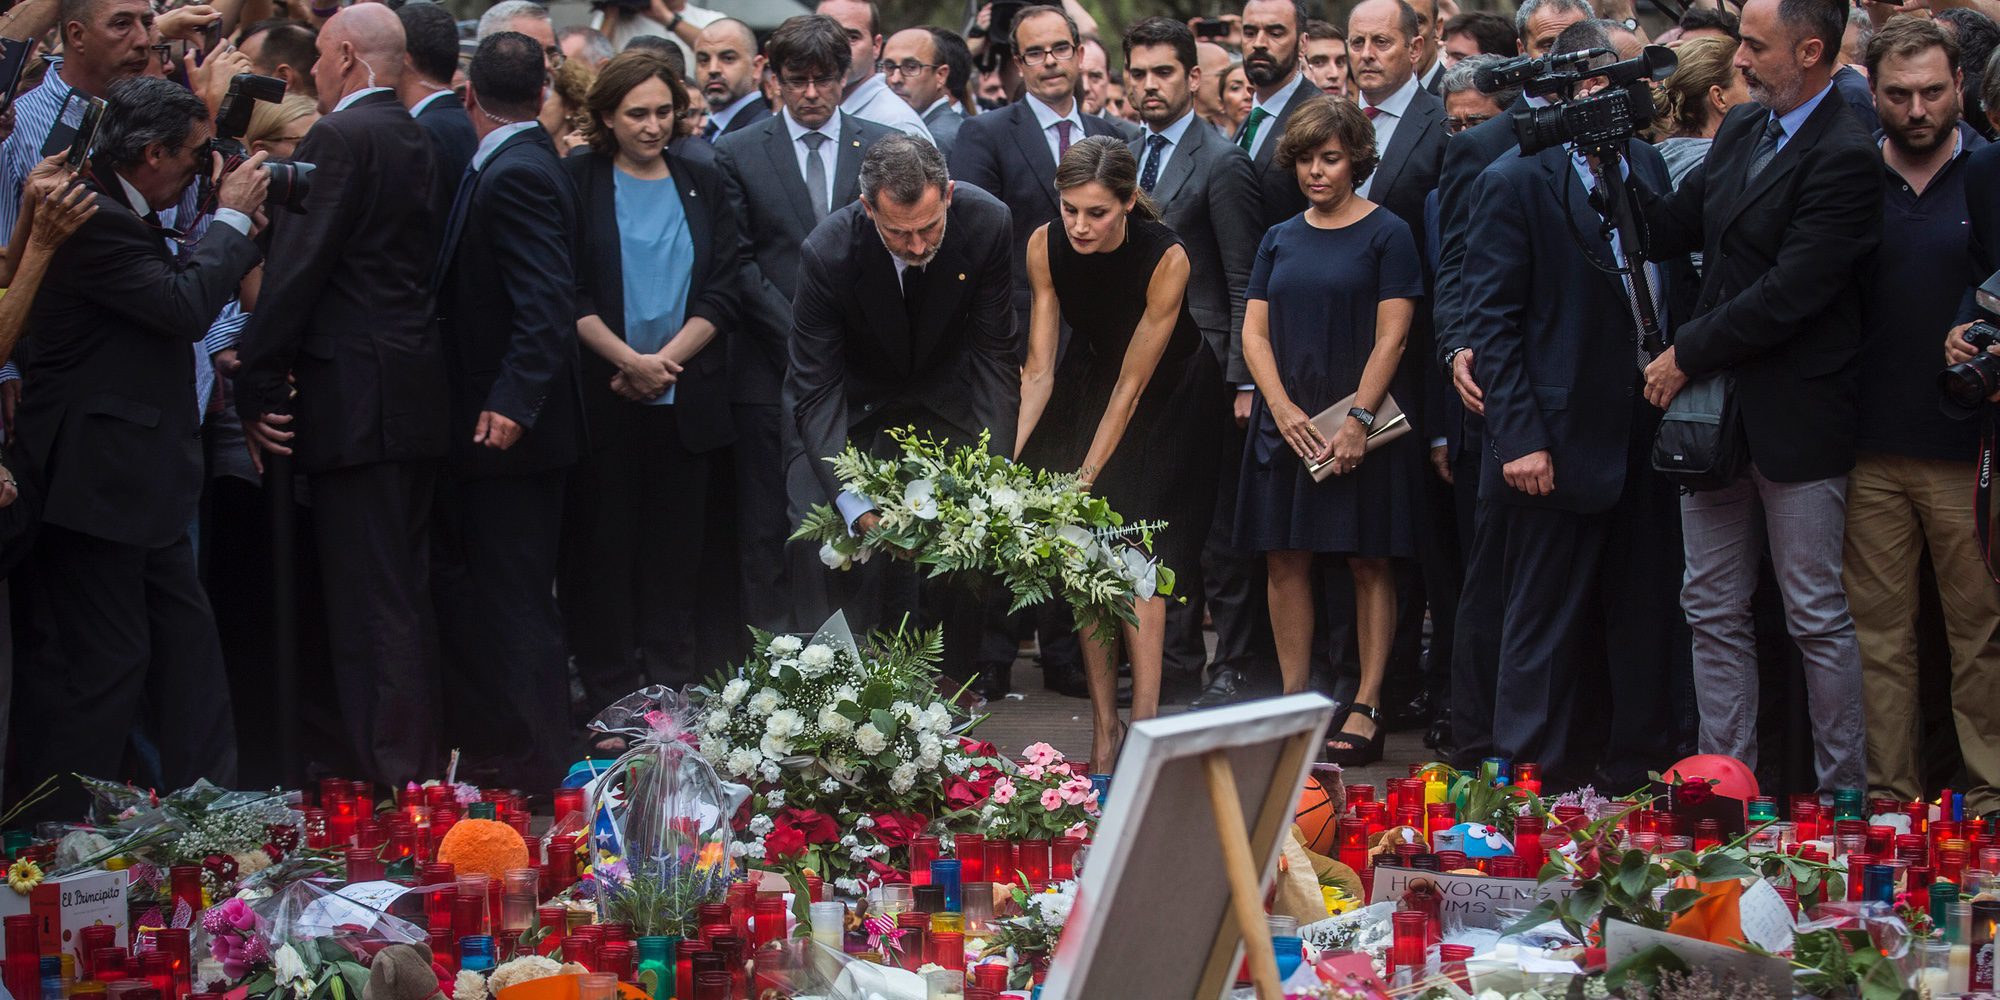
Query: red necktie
1062	138
1371	112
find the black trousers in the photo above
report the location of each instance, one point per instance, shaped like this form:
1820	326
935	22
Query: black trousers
1591	603
762	521
1475	660
494	541
1231	584
136	648
372	524
635	548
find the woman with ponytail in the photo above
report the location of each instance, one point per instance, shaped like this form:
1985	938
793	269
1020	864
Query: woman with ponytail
1136	406
1690	104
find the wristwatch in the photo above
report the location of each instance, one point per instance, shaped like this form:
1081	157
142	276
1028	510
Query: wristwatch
1450	355
1367	417
676	22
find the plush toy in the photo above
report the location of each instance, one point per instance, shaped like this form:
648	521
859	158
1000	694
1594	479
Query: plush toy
402	972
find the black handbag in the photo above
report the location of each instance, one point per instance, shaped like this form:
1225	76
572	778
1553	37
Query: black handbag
1700	444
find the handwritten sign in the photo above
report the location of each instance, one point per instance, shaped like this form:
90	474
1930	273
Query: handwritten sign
1469	900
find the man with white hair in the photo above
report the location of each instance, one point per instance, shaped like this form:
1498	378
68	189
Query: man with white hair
528	18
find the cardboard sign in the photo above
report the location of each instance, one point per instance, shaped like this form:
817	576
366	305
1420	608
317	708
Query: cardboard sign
1470	900
62	906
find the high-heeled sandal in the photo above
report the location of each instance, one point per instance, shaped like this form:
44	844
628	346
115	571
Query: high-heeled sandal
1352	749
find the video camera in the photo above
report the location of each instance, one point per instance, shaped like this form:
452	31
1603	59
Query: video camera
291	181
1596	124
1967	385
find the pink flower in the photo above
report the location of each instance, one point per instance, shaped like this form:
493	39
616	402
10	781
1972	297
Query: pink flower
1075	791
1080	831
1043	754
1003	791
1032	772
1060	769
236	913
1051	799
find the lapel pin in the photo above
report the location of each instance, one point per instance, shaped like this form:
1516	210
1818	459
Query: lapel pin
961	276
857	144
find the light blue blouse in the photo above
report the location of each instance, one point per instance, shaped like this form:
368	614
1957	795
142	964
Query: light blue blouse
658	256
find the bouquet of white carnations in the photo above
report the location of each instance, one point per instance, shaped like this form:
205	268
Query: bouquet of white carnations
967	510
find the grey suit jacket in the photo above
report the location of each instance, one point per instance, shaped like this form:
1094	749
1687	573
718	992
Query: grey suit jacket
762	174
1278	187
943	121
1207	194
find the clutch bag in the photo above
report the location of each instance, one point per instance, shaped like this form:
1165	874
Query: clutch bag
1390	424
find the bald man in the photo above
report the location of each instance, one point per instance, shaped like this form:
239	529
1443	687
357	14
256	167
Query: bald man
345	313
727	67
1215	61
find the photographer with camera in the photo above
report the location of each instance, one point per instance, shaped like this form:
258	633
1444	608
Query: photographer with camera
110	450
1551	314
1907	493
343	369
1784	211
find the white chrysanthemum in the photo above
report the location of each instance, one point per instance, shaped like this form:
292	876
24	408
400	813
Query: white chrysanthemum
903	778
755	851
765	702
768	771
870	739
937	718
845	692
733	692
714	748
785	645
929	752
858	854
784	723
956	764
1055	907
907	713
834	722
717	721
815	660
849	840
775	800
743	761
849	886
761	824
469	985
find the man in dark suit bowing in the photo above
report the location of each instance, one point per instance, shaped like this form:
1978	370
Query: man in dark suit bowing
1206	191
1012	154
342	366
1273	32
1588	564
110	443
1784	211
506	306
902	320
430	37
786	173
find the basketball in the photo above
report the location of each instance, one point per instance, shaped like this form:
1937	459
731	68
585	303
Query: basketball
1318	818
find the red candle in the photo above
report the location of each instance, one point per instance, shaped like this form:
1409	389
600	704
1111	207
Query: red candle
1408	942
1707	834
971	851
770	920
568	800
923	851
1529	776
948	949
1036	862
913	946
24	957
1353	839
1856	864
173	943
1062	865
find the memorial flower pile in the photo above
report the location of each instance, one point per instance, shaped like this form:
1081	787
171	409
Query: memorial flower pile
1045	796
966	510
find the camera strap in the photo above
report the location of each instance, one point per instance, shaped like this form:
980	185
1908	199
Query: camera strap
1982	492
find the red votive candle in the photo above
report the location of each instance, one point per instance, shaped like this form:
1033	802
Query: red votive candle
770	920
567	801
948	949
173	943
970	849
1406	950
923	851
24	957
1036	862
1062	858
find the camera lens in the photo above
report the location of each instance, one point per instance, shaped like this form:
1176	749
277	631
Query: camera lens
291	183
1968	384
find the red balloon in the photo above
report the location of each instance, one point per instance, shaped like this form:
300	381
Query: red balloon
1727	775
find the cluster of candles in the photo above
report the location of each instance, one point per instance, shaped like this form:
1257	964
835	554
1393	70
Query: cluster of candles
100	967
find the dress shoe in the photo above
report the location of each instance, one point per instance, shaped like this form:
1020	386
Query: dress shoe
1065	679
994	681
1412	714
1226	686
1438	736
1180	687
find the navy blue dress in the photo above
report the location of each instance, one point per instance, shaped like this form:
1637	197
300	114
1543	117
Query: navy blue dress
1323	287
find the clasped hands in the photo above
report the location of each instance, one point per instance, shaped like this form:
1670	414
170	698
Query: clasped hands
1347	448
642	378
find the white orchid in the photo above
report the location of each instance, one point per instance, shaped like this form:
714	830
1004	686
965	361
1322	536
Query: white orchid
921	498
290	970
833	558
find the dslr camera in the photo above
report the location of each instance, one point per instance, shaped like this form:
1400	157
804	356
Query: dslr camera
1604	120
291	180
1968	384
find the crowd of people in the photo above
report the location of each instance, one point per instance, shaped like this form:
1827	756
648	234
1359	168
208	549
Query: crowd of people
525	368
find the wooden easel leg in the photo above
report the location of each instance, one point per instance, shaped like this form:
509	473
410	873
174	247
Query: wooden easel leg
1246	897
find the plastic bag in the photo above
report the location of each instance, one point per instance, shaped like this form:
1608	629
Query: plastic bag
663	822
802	967
301	936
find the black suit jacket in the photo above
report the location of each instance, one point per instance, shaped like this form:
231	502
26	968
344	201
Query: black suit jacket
109	428
1408	169
507	308
1982	204
1465	156
857	359
1780	293
752	113
346	302
1852	87
701	393
452	144
1552	339
1277	185
1006	154
769	193
1207	194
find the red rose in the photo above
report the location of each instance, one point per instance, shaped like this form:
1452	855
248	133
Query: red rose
976	748
887	875
964	793
741	821
1693	792
784	842
897	829
817	827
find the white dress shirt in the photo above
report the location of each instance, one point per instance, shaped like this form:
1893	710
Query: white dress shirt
829	151
874	101
491	144
721	119
429	99
349	100
1174	133
1046	117
1272	108
1389	113
636	23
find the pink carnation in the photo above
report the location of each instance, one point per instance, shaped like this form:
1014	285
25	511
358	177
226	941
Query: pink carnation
1042	754
1051	799
1003	791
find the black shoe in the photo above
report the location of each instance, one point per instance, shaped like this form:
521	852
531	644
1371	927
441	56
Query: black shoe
1226	686
994	681
1412	714
1065	679
1350	750
1438	737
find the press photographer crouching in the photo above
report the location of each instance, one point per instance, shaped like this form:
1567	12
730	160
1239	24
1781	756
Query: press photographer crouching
111	453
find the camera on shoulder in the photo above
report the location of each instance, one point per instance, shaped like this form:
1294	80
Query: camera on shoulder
1605	118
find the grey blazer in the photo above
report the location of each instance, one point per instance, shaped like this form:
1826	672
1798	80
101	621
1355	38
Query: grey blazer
943	121
761	173
1207	194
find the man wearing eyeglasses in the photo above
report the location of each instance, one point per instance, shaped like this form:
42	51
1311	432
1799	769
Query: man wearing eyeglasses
917	73
867	93
786	173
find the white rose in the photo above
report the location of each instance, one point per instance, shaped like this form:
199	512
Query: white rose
870	739
733	692
765	702
834	722
903	778
831	557
784	645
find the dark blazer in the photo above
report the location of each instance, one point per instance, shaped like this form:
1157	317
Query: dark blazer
769	193
701	393
452	144
1852	88
1465	155
1006	154
943	121
110	436
1780	293
346	302
1207	194
752	113
1551	339
1409	167
1982	204
856	357
1279	186
507	309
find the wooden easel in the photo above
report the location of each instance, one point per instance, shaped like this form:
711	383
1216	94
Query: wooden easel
1245	919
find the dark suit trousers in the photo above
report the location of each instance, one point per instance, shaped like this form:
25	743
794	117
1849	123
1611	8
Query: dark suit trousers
763	523
494	541
1475	653
373	524
634	550
138	650
1232	585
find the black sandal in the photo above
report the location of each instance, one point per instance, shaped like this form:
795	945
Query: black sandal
1352	749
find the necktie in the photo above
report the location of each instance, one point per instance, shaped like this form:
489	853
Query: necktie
1155	146
1767	147
1248	138
913	289
709	131
816	174
1371	112
1062	138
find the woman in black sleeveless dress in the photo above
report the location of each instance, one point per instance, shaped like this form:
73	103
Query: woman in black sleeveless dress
1137	406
